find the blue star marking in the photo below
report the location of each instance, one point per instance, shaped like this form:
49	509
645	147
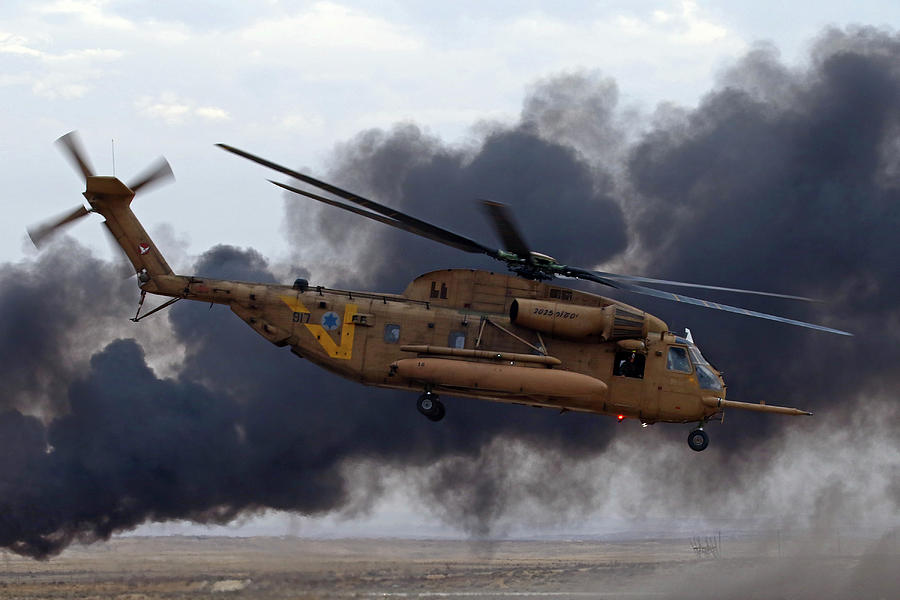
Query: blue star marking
330	321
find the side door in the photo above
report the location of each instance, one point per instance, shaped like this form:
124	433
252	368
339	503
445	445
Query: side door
627	385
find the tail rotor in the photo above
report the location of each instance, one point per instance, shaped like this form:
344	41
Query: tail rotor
158	172
100	191
70	145
39	234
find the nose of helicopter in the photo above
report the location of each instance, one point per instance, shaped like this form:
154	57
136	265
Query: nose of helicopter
722	381
708	377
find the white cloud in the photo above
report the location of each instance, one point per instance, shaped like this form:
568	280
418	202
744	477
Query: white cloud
211	113
539	25
19	45
650	51
330	25
67	74
302	122
85	55
90	12
168	108
16	44
690	27
656	33
174	110
58	86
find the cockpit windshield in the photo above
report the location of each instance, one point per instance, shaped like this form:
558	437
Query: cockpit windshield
705	376
696	357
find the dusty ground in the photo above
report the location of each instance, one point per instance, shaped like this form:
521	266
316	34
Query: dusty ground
269	568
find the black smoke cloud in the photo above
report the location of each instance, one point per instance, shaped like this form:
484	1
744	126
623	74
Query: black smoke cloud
788	187
565	206
45	318
780	179
243	427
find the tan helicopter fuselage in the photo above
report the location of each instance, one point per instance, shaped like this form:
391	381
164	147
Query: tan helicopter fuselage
477	334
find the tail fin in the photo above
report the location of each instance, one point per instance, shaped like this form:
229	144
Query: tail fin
111	198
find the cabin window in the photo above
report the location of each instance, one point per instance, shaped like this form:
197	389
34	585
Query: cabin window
678	360
629	364
391	333
457	339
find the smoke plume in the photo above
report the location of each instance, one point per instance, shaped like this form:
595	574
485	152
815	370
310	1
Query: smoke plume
782	178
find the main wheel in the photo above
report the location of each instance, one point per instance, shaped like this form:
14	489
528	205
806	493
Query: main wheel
439	411
429	405
698	440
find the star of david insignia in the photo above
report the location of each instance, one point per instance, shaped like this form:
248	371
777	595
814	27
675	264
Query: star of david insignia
330	321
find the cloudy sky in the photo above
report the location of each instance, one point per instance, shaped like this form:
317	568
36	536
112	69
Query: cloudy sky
337	87
291	79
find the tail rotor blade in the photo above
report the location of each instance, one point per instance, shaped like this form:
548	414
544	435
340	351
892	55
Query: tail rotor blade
40	233
158	172
74	150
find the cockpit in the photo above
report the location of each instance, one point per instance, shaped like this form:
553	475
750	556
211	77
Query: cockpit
681	358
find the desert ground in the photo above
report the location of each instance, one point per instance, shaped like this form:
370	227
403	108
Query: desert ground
738	566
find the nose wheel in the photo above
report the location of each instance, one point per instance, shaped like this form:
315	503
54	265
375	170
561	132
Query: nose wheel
698	440
429	405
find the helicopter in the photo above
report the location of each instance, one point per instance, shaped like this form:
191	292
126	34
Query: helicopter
520	338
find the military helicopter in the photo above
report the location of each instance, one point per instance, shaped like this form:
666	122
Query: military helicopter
518	338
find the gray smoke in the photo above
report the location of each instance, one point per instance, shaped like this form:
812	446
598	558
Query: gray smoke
782	178
53	308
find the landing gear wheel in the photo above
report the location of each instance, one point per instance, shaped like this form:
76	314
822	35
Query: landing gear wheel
429	405
698	440
440	411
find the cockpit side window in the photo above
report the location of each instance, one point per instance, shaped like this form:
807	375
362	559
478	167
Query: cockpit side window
678	360
706	379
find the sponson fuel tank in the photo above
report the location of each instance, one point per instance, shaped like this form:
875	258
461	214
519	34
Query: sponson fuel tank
561	319
501	378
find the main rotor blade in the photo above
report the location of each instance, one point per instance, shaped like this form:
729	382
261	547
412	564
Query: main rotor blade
417	226
370	215
157	172
40	233
501	217
74	151
634	278
639	289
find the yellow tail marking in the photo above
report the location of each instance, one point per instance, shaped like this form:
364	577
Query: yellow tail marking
343	351
294	304
348	329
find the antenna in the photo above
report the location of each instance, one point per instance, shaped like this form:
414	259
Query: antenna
113	144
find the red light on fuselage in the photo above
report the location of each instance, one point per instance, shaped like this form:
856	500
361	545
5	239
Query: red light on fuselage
621	418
